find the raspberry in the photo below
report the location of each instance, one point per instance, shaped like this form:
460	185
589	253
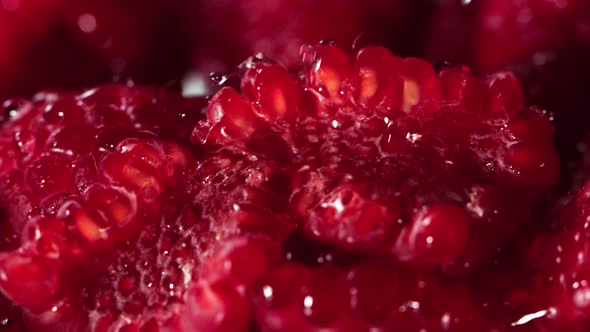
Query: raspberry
11	316
509	32
385	154
561	265
272	207
543	42
295	298
105	237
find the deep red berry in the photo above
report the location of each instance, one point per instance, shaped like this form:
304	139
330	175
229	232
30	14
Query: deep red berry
544	42
507	32
438	234
385	154
561	264
362	296
11	319
289	204
103	229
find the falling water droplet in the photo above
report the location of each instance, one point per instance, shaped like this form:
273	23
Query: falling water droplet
10	110
218	78
4	321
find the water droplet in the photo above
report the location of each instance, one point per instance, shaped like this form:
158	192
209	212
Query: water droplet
267	292
443	65
328	42
256	59
307	305
87	23
307	54
218	78
118	65
10	110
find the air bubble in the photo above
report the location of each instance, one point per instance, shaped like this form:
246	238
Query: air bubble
259	58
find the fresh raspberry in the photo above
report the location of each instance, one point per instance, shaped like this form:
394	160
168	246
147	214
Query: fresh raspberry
534	26
385	155
506	32
544	42
92	183
560	258
315	288
339	293
365	295
10	315
140	210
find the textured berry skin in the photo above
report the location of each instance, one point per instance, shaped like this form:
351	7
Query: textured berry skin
385	153
560	259
10	315
287	203
544	42
90	183
90	42
295	298
509	32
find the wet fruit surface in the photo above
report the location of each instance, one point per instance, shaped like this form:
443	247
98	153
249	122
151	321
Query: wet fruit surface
365	191
543	42
93	190
560	263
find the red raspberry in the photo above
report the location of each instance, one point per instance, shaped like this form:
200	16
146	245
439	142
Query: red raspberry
544	42
91	181
293	297
561	260
504	32
272	207
385	155
10	315
11	318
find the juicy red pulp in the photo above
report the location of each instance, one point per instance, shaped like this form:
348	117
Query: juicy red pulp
384	157
560	263
545	43
273	208
385	154
92	184
10	314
